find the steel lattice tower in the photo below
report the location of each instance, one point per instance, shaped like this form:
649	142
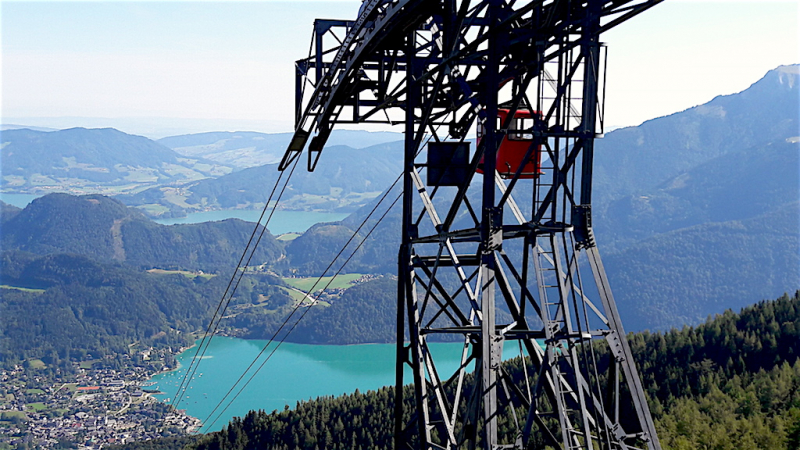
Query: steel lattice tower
495	254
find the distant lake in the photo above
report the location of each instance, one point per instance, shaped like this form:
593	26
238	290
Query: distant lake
18	200
295	372
282	221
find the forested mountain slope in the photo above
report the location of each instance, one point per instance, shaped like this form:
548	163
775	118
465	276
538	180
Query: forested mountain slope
681	276
733	186
731	382
366	313
67	308
104	229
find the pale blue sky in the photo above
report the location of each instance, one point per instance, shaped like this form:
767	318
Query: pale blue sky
229	65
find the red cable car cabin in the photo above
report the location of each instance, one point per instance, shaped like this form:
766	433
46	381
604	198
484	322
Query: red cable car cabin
515	144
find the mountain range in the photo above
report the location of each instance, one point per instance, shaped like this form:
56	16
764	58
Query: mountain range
638	159
93	160
243	149
175	175
78	256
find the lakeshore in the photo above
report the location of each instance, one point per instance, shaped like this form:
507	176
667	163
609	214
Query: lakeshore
294	373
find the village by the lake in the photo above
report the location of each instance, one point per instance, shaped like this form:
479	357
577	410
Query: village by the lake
102	403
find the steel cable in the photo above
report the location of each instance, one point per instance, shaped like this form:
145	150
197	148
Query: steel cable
300	303
217	317
283	339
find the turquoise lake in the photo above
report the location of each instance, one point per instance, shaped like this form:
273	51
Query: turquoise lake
295	372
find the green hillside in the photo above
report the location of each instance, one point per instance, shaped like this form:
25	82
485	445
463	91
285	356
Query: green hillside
65	308
105	229
81	309
366	313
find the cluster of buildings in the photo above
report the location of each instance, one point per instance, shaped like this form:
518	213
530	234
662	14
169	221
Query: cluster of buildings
97	409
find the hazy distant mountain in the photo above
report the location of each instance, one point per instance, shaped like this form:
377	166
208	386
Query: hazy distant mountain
244	149
345	179
82	159
7	211
104	229
637	159
150	127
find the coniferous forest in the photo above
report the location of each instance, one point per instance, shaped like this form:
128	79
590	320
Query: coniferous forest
732	382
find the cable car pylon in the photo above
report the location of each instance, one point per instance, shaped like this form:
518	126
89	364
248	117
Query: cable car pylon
497	246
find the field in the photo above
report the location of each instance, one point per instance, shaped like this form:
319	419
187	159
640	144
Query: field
17	288
296	295
87	364
340	282
185	273
8	415
36	364
38	406
153	209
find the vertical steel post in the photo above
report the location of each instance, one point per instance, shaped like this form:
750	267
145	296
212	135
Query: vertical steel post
319	31
491	240
590	49
406	278
299	75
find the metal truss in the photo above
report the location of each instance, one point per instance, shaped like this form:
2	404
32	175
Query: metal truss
495	262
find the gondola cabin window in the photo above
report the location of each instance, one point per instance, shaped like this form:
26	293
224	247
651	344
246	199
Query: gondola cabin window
515	145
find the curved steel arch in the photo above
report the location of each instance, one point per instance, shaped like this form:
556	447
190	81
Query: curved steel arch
438	66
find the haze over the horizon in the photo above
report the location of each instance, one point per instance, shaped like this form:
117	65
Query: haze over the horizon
170	68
